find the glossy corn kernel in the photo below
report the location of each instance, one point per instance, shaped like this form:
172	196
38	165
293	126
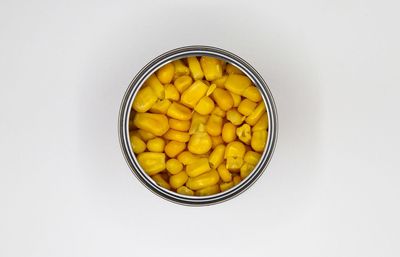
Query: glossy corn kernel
156	145
217	156
200	142
236	180
211	67
156	124
211	89
171	93
179	112
182	83
223	99
252	93
204	180
173	166
236	99
256	114
161	106
235	149
228	132
234	163
152	163
166	73
262	123
187	158
173	148
237	83
198	123
219	112
244	133
205	106
176	135
195	68
161	181
181	125
137	144
144	99
224	173
225	186
252	157
258	140
156	85
210	190
246	107
183	190
246	169
216	141
235	117
145	135
231	69
198	167
214	125
192	95
180	68
178	180
220	82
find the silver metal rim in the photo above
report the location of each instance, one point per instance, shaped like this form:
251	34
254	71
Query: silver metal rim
137	82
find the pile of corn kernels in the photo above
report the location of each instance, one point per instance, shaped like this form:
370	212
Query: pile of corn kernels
198	126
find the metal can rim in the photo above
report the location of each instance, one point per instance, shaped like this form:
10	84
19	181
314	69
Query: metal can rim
150	68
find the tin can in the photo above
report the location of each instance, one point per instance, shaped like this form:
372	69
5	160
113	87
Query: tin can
138	81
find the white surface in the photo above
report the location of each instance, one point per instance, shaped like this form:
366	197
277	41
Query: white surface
332	188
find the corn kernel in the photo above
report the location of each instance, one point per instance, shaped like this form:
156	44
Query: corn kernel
198	167
234	163
210	190
173	148
258	140
235	117
212	68
195	68
145	98
231	69
180	68
211	89
224	173
174	166
179	112
182	83
217	156
152	163
205	106
252	93
178	180
214	125
137	144
145	135
156	145
181	125
220	82
237	83
235	149
192	95
246	169
171	93
244	133
223	98
216	141
228	132
236	180
236	99
161	106
252	157
262	123
161	181
200	142
166	73
219	112
156	85
256	115
225	186
156	124
246	107
176	135
187	157
197	121
204	180
183	190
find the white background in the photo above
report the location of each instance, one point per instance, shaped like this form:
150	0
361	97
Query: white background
332	188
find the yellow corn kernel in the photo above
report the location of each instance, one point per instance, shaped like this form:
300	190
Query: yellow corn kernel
216	141
192	95
161	106
152	163
234	163
156	124
256	114
195	68
262	123
182	83
237	83
210	190
219	112
166	73
231	69
235	117
171	93
235	149
236	180
180	68
252	157
173	148
258	140
228	132
217	156
156	85
179	112
137	144
176	135
244	133
220	82
156	145
204	180
197	120
225	186
252	93
246	107
212	68
174	166
223	98
246	169
145	98
211	89
214	125
178	180
236	99
224	173
200	142
184	191
187	157
181	125
145	135
205	106
161	181
198	167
